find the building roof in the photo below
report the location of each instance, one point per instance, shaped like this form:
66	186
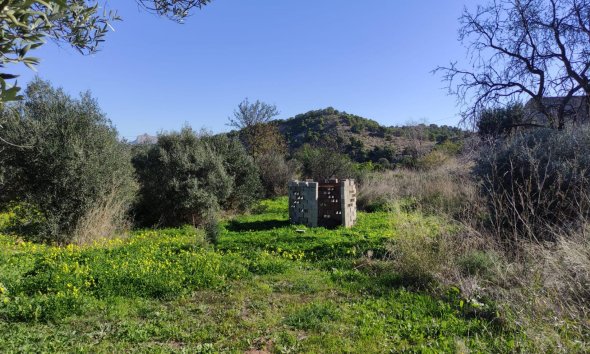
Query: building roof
576	110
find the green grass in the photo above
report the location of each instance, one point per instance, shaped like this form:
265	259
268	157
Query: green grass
265	286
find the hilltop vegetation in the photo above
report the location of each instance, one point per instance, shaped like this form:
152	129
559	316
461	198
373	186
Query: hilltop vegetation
361	138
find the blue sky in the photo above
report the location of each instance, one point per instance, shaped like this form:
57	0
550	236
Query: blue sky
372	58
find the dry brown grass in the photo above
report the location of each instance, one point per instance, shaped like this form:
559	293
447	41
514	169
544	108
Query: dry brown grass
540	289
444	189
107	219
547	290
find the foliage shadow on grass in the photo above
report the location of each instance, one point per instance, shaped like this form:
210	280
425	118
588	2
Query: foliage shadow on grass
236	225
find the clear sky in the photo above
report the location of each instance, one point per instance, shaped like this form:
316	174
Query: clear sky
372	58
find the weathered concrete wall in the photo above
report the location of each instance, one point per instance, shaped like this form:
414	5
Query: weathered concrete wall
303	203
348	200
329	204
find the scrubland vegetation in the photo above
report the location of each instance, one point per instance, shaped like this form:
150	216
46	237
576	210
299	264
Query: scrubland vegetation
464	245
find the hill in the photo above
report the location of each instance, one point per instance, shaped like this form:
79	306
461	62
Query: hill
362	138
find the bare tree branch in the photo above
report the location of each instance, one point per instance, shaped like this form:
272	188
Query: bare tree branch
522	50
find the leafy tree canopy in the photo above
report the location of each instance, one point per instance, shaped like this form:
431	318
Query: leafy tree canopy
69	162
496	122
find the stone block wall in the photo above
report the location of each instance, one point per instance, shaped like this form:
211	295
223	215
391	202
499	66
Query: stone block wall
348	198
329	203
303	203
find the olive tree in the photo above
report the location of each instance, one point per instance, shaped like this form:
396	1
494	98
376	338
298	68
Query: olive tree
241	168
182	180
69	163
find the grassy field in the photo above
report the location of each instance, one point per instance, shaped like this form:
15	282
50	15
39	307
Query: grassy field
265	287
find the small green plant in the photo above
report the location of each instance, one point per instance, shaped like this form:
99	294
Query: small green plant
476	263
313	317
212	227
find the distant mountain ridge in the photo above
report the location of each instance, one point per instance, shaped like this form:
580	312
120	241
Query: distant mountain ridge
145	139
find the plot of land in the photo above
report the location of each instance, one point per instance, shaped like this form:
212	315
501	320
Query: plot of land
263	288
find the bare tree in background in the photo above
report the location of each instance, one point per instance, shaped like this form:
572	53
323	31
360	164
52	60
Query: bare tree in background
257	133
521	49
249	114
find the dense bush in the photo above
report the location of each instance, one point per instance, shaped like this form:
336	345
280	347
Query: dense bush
497	122
241	167
65	162
182	180
324	163
431	160
537	181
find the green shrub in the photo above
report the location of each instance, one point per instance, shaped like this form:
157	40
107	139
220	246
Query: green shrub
324	163
212	228
241	167
4	219
182	179
537	181
68	160
476	263
432	160
24	219
449	147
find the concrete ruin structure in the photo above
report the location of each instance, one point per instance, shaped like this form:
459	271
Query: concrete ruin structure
330	203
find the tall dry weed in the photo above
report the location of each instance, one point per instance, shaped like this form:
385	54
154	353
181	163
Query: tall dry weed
446	189
540	289
544	289
108	218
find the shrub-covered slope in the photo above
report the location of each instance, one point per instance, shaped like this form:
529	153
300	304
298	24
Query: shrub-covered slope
363	139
